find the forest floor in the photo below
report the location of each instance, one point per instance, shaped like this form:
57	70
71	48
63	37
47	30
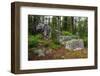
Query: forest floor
60	53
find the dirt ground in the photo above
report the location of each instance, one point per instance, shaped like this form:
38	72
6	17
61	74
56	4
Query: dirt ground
60	53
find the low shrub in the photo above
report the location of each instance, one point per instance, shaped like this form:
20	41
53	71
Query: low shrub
38	36
85	42
46	44
66	33
33	41
54	46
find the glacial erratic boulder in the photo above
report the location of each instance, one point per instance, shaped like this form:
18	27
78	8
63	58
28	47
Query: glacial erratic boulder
74	44
63	39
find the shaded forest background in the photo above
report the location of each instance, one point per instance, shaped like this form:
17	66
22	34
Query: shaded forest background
67	25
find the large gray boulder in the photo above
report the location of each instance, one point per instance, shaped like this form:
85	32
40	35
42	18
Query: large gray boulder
75	44
63	39
39	52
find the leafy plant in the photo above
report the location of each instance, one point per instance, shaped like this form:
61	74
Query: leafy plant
66	33
54	46
46	43
33	41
